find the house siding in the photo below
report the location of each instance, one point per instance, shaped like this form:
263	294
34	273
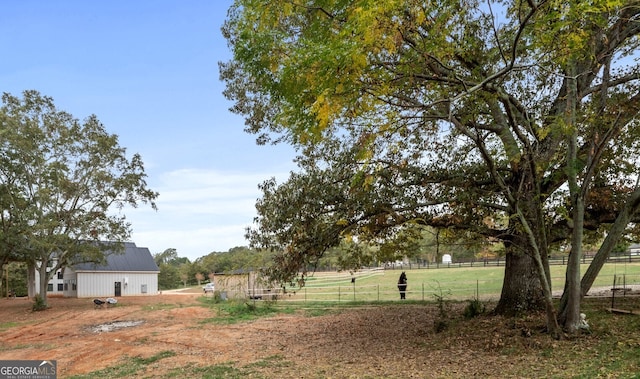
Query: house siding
102	284
54	284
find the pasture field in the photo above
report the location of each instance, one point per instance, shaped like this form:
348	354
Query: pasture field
453	283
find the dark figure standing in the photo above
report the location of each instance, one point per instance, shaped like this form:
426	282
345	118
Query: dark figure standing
402	285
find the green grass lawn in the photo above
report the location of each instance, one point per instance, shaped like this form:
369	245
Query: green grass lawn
427	284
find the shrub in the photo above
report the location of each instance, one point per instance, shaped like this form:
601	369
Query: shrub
473	309
39	304
441	323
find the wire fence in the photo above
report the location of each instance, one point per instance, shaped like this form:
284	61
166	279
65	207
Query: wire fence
363	293
483	284
500	262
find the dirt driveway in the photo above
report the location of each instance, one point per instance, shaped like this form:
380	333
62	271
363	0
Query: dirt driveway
367	342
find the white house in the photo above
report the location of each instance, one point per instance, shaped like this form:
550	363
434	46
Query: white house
129	273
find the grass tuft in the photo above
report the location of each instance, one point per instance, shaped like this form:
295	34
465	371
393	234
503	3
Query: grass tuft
131	367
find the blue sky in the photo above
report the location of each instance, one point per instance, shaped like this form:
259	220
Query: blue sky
149	71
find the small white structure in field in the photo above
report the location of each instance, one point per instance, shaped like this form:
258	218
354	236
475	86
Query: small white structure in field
446	259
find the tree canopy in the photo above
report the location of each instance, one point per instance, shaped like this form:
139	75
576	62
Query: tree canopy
63	185
511	120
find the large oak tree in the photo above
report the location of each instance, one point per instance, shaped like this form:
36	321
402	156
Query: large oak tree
63	184
515	120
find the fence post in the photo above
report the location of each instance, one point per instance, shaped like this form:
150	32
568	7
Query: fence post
378	292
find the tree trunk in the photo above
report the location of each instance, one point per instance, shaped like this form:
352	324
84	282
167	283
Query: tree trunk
3	266
522	291
613	236
521	288
578	193
571	314
44	282
31	280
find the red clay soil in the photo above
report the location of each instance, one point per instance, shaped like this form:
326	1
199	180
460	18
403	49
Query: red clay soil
367	342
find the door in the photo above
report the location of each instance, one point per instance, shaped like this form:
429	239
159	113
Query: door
118	288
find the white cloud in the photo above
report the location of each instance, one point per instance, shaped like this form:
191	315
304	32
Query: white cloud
199	211
192	243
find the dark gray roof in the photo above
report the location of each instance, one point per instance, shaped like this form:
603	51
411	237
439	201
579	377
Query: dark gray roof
132	259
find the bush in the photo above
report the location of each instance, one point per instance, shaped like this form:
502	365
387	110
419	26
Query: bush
441	323
473	309
39	304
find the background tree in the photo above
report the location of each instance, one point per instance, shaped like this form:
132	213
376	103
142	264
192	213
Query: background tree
175	271
13	221
16	281
63	182
168	256
236	258
183	273
450	114
168	278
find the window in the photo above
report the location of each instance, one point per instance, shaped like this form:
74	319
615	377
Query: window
60	286
50	287
60	274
